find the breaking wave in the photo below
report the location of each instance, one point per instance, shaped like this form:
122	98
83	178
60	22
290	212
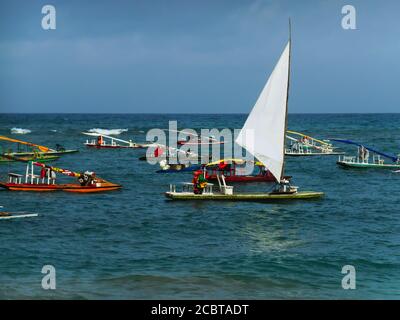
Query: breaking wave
20	131
108	132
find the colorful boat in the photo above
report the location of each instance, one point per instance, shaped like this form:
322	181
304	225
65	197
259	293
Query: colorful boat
267	124
362	159
35	149
114	143
234	171
304	145
46	181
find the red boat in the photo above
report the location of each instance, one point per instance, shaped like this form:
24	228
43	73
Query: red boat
46	181
231	168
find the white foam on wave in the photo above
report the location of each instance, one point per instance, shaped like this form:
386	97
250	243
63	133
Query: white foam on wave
108	132
20	131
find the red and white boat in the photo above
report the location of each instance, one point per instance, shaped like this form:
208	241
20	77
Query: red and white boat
88	182
107	142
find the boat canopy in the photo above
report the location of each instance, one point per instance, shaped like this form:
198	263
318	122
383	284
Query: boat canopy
41	148
389	156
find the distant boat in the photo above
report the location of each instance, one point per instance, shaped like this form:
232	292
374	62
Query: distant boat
5	215
304	145
195	139
268	122
114	143
36	149
362	159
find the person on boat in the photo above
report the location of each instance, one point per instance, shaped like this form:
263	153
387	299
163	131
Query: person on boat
363	154
100	140
53	175
87	178
199	182
43	173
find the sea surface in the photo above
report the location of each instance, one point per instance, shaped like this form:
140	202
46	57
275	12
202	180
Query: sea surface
135	244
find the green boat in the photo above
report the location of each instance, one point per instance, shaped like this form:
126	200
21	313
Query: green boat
362	165
38	158
362	160
33	149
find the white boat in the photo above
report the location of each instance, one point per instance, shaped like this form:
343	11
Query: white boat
114	143
267	125
304	145
15	215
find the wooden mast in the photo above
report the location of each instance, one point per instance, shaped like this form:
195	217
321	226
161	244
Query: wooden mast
287	101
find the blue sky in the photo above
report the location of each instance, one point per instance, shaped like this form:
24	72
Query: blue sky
196	56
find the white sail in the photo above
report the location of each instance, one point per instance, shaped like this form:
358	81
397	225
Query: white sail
266	124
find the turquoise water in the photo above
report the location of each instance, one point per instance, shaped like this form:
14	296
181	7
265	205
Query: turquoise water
133	243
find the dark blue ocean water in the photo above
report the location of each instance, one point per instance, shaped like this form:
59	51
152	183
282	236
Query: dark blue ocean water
133	243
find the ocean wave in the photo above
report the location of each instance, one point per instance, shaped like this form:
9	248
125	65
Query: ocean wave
20	131
108	132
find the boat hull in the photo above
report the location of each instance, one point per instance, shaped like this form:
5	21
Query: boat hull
13	215
293	154
50	153
96	146
42	160
262	197
59	187
367	165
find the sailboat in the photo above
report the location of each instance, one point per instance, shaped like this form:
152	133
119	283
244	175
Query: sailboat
304	145
35	150
267	123
362	160
114	143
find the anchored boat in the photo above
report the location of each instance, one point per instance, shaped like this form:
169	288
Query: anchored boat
39	157
177	167
362	159
194	139
5	215
46	180
304	145
107	142
35	149
266	124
